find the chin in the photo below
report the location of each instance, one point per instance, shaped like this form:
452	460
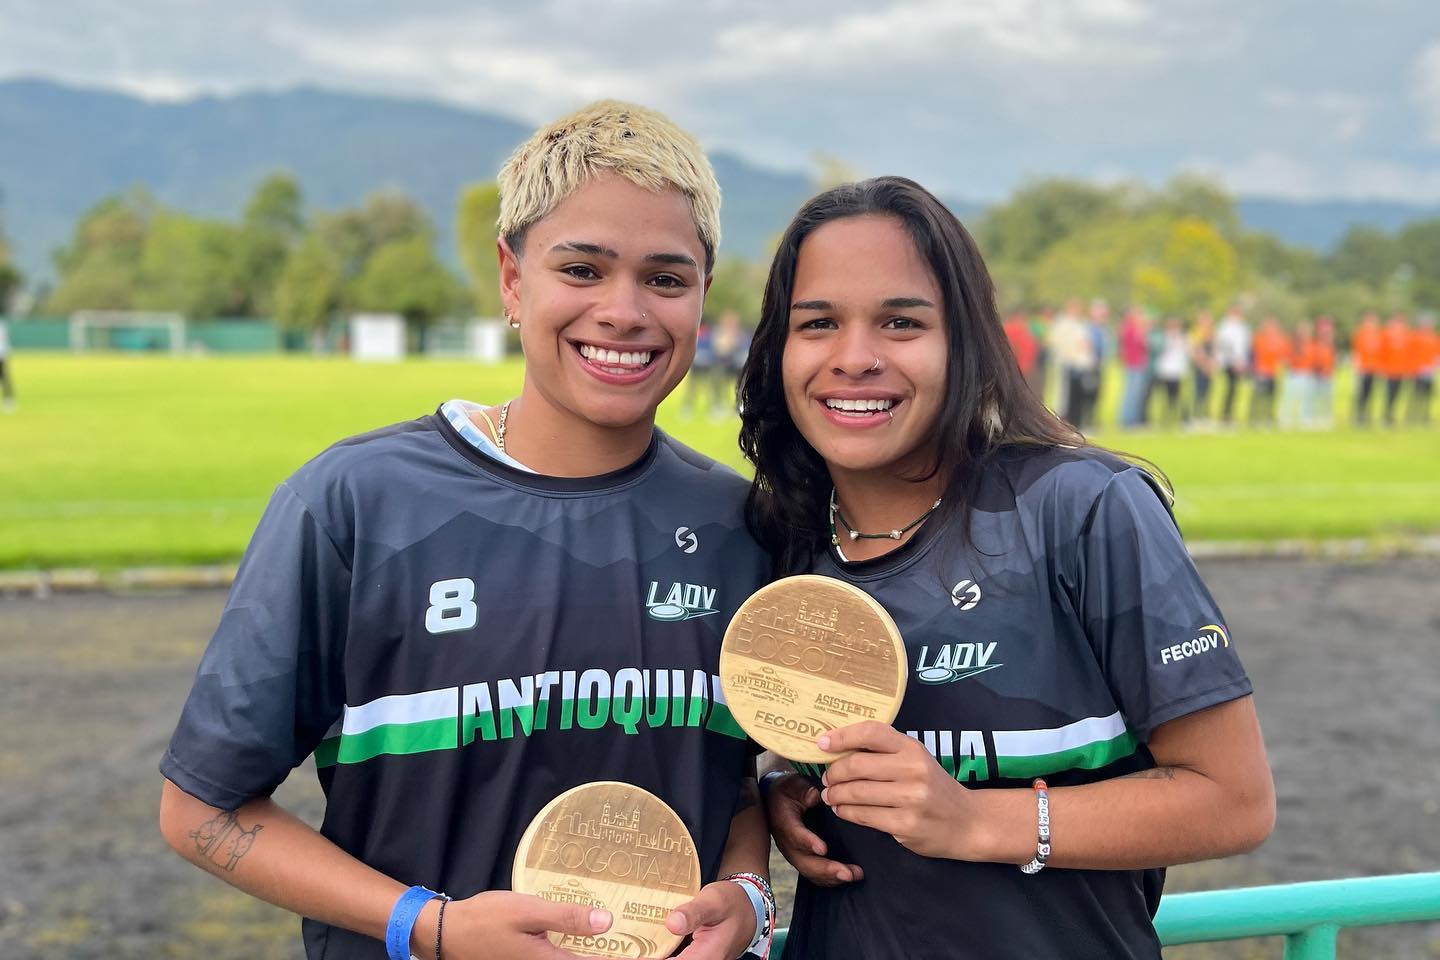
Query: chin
616	416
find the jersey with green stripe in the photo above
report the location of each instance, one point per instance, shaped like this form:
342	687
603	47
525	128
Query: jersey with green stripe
456	642
1051	645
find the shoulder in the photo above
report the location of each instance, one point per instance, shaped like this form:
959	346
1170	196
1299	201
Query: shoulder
1065	483
375	460
676	461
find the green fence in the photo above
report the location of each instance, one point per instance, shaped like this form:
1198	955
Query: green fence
215	335
1308	915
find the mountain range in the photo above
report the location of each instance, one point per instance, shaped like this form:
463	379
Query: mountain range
63	148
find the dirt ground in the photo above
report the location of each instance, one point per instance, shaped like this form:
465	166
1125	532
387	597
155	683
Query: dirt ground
1345	660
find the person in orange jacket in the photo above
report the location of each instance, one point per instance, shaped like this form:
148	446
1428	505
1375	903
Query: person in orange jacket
1395	362
1365	348
1325	353
1297	396
1425	354
1271	352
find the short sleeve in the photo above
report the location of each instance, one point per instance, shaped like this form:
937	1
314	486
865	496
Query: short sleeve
270	684
1161	641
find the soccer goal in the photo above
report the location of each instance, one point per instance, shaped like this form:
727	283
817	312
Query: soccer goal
126	330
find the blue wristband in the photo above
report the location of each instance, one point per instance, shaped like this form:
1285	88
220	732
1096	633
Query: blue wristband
402	921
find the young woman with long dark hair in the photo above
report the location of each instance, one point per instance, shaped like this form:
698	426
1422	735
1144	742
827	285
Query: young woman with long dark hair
1063	651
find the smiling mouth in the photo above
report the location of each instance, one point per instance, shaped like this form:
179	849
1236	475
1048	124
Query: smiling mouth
859	409
616	362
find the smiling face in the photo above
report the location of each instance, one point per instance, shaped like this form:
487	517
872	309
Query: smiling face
608	293
862	292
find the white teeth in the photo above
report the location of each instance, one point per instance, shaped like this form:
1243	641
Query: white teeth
613	359
859	406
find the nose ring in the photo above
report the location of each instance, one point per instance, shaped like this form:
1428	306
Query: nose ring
876	366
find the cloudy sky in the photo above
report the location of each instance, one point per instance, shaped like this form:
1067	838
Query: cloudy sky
1297	98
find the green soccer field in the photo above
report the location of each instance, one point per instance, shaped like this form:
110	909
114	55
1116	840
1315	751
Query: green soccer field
113	460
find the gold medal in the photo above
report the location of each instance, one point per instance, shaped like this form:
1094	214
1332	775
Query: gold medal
618	847
806	655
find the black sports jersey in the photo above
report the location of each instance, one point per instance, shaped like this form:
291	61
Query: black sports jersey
1052	647
457	642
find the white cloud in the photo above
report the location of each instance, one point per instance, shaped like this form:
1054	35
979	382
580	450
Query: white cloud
1275	174
1425	89
1337	116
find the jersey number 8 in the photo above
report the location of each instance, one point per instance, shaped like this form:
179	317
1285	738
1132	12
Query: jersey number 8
452	606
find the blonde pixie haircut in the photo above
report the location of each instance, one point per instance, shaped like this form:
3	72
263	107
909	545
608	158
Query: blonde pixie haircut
640	145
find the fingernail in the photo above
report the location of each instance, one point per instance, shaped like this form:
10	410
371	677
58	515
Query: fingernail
823	743
599	919
825	778
825	795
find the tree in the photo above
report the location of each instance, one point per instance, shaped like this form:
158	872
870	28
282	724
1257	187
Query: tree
738	285
1365	255
191	266
1042	214
475	241
404	277
353	236
1202	266
1264	255
100	268
1419	249
308	291
831	171
1191	196
272	224
10	277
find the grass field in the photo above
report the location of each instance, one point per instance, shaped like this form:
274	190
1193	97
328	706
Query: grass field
114	460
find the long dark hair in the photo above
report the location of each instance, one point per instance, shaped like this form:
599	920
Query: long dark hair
987	403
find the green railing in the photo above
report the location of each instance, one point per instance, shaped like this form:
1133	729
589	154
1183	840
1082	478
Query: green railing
1307	915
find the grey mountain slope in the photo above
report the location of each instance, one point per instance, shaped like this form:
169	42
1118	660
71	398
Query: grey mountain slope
63	148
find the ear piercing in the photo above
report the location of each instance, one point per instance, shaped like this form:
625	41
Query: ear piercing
510	319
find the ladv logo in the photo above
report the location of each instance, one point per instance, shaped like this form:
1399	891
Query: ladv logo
955	661
681	601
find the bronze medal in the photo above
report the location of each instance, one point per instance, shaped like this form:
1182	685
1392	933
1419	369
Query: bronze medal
618	847
805	655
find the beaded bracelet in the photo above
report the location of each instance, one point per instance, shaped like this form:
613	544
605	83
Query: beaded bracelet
440	924
764	906
1042	816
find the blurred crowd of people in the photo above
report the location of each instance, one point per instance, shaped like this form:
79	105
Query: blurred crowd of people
1176	373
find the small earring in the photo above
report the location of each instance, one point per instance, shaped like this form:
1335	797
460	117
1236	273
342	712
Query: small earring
510	319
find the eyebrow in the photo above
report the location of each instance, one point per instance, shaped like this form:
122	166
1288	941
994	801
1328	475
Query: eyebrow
891	304
577	246
679	259
596	250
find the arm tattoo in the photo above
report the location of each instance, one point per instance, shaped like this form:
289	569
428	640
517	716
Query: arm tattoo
223	841
1154	773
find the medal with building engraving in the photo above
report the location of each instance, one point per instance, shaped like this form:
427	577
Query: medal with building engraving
616	846
806	655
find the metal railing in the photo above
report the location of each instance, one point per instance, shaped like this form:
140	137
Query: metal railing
1308	915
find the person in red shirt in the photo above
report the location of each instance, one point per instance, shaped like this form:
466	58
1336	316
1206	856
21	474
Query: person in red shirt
1365	347
1395	362
1324	397
1425	361
1271	351
1022	344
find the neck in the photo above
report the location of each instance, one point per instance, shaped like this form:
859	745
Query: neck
553	441
878	502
